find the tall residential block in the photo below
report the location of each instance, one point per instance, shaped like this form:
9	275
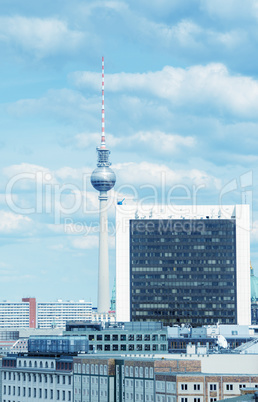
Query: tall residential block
183	264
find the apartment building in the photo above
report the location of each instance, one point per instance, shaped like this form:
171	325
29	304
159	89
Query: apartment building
45	372
205	378
31	314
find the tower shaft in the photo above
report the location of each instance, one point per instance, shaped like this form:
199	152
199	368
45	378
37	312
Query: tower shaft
103	179
103	276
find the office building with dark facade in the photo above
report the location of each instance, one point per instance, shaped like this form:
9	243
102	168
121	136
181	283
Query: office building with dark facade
184	268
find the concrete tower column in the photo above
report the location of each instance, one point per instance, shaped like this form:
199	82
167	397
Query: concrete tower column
103	278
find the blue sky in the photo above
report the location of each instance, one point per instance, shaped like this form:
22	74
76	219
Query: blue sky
181	99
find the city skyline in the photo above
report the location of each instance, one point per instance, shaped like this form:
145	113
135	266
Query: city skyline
181	120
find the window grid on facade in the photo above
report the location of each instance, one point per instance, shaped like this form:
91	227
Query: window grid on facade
183	270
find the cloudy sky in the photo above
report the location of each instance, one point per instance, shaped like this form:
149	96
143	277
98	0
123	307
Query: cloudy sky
181	99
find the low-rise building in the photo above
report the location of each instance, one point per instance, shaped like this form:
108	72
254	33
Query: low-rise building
203	378
122	338
45	372
32	378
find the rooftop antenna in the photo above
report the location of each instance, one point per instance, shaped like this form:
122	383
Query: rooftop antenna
103	137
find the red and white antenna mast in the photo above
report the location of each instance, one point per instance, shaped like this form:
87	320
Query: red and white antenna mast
103	138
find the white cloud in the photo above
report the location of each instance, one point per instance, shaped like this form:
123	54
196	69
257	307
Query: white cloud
90	241
201	87
40	36
85	140
231	10
14	223
72	227
86	242
146	173
184	34
64	103
254	232
162	143
24	173
156	140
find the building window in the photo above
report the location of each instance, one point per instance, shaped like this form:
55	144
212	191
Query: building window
197	399
34	392
184	400
213	387
63	395
45	393
136	371
229	387
184	387
51	394
197	387
58	395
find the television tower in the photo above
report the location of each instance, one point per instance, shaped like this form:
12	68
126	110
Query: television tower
103	179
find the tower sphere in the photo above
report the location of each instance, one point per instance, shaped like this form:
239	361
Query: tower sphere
103	178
